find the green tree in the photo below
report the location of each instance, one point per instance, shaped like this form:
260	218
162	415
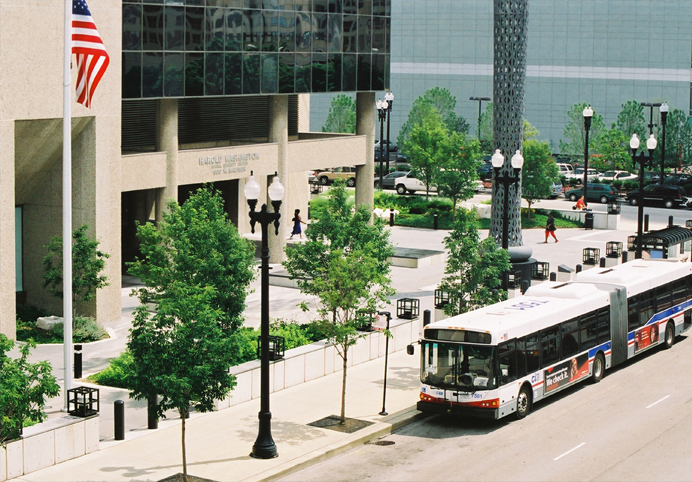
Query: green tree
529	131
196	269
87	263
631	120
613	148
459	169
678	140
24	387
344	263
443	102
474	269
574	134
424	146
538	173
487	129
342	115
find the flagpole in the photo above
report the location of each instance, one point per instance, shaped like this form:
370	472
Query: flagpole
67	203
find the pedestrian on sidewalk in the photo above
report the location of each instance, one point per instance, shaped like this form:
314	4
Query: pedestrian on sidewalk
550	228
296	224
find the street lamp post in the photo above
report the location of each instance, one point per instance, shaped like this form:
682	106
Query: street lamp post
517	161
382	113
389	98
588	114
643	159
264	447
664	116
480	101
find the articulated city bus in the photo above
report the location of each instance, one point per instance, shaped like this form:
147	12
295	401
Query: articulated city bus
502	358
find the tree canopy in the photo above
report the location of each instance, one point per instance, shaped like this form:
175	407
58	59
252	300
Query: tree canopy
574	134
538	173
442	101
342	115
459	156
424	146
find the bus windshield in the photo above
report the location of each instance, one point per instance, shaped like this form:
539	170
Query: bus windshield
457	365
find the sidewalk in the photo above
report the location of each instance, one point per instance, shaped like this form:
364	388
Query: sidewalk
218	443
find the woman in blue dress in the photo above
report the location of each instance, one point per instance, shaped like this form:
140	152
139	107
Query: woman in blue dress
296	224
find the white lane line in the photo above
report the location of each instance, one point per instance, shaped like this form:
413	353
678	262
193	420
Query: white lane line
570	451
657	402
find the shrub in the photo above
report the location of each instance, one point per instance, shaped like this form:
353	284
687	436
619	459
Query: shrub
115	374
85	329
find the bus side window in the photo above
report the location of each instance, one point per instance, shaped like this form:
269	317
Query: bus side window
533	354
646	307
633	313
521	358
508	362
664	297
603	325
588	331
550	344
570	338
679	291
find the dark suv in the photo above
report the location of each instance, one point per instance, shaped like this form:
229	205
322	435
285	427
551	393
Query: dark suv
660	194
603	193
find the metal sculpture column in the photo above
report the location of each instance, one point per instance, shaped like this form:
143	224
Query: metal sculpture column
509	76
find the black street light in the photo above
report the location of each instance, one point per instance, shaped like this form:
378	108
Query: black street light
643	159
588	114
498	161
382	113
389	98
480	101
664	116
264	447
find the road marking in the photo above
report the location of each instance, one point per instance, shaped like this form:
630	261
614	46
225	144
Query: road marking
657	402
570	451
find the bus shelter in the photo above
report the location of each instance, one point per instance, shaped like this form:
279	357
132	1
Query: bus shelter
670	242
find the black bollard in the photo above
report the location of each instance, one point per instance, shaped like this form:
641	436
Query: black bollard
646	223
152	419
435	217
426	317
624	256
391	217
119	419
78	361
579	268
670	221
603	261
553	276
524	286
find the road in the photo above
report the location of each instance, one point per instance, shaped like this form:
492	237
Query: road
634	425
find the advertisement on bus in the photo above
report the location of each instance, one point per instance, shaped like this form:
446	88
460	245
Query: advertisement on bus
645	337
566	372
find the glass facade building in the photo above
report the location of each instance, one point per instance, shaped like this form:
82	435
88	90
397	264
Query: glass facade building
195	48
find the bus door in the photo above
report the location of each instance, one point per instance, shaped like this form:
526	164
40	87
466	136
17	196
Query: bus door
618	325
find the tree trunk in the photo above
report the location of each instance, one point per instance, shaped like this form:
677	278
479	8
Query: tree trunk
183	415
343	388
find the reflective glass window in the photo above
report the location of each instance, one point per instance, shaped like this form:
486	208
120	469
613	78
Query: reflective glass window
350	6
336	6
152	27
213	74
253	3
132	27
364	8
234	30
287	32
271	4
350	69
303	32
570	337
132	75
286	4
270	31
233	73
334	73
152	74
303	73
387	34
287	72
377	72
251	73
388	7
303	5
334	33
225	3
378	8
194	28
364	34
252	30
214	31
175	28
364	71
319	72
194	74
319	34
321	6
173	74
194	2
378	35
387	73
350	33
533	353
270	73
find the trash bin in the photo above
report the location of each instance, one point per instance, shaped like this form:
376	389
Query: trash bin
588	220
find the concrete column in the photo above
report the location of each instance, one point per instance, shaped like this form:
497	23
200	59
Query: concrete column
7	244
167	140
278	132
365	126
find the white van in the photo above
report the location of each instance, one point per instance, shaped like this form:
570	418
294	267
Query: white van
565	169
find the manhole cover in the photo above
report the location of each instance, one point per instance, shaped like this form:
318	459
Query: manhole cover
384	442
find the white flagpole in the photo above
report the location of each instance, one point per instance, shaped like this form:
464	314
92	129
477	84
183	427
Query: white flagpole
67	203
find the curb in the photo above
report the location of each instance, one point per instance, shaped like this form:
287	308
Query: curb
384	427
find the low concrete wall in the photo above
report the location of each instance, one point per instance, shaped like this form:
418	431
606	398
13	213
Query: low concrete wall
49	443
317	360
600	220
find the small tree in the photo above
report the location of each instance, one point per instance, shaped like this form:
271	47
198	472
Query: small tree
87	263
342	115
539	172
475	268
631	120
344	263
197	269
487	128
613	147
574	133
24	387
678	140
460	162
424	147
443	102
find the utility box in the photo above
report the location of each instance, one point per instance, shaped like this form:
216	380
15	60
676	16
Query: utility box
564	273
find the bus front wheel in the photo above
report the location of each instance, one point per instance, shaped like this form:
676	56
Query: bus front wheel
598	368
523	402
669	336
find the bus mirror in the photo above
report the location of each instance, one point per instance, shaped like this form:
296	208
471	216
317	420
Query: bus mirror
409	349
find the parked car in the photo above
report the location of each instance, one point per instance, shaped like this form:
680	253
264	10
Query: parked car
410	184
578	175
616	176
388	180
564	169
659	194
556	190
677	179
603	193
328	176
392	147
485	170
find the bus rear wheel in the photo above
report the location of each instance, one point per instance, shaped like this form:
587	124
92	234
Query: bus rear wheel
523	403
669	336
598	368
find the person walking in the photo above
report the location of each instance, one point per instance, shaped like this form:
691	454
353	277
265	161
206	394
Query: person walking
296	224
550	228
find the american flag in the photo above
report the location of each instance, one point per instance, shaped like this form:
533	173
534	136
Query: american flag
92	58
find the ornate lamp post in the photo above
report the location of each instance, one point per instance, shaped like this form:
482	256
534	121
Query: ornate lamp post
643	159
664	116
382	113
389	98
480	101
588	114
517	161
264	447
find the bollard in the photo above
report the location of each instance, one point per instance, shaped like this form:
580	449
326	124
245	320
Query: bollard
670	221
553	276
119	419
624	256
602	263
579	268
152	419
78	361
646	223
524	286
391	217
426	317
435	217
